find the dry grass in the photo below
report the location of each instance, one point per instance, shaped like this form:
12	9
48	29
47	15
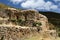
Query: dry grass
40	37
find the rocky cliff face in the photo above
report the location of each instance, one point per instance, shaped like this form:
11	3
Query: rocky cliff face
17	25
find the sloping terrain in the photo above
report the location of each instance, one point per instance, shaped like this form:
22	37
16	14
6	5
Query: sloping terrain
54	18
25	25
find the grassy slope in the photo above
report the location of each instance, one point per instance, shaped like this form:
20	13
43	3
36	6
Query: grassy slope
3	6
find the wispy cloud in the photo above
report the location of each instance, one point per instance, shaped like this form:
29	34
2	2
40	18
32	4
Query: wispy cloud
37	4
16	1
40	4
56	0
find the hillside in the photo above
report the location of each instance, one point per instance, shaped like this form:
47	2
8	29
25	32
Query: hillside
18	24
53	18
3	6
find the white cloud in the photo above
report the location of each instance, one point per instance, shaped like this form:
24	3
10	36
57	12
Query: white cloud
16	1
50	6
56	0
54	7
37	4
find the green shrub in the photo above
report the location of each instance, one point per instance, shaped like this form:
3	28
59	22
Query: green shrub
19	20
13	20
36	24
59	34
39	24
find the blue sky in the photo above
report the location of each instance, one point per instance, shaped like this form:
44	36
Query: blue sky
41	5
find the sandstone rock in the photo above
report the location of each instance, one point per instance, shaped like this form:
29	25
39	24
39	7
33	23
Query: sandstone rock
30	22
28	17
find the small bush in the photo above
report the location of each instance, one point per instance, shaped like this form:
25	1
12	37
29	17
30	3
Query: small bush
19	20
59	34
39	24
13	20
36	24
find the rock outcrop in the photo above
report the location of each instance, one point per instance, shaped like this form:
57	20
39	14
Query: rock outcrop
30	22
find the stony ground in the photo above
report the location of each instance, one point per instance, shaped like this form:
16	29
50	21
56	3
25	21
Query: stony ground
11	32
41	38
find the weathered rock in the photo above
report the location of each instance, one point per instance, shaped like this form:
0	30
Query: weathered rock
30	22
28	17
